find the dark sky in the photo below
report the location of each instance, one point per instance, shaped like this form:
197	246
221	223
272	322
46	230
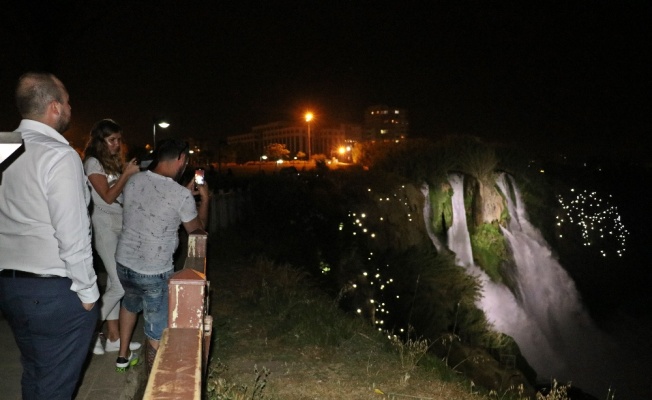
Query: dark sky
561	76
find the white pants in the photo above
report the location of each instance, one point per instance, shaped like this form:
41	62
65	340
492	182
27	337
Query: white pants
106	229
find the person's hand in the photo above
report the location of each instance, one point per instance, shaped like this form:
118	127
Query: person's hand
201	190
131	167
88	306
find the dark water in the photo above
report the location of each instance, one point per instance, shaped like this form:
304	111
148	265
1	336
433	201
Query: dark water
618	295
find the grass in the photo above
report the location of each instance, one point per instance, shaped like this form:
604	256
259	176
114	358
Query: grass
278	337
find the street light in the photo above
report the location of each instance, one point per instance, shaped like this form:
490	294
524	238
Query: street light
308	119
160	122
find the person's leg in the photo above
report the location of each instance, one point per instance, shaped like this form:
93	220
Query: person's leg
155	312
53	332
113	328
128	321
131	305
106	229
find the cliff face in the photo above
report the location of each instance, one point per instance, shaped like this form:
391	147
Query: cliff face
401	215
488	204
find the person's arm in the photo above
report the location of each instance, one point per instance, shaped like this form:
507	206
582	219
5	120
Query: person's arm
67	205
101	184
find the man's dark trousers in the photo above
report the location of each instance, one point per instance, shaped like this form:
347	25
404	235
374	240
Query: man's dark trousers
53	332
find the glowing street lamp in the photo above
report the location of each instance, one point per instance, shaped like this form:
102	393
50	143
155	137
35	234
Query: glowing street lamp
345	152
160	122
308	119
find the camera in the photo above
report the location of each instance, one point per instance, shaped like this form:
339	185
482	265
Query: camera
199	177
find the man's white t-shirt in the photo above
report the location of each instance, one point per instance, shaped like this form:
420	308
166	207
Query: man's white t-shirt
154	207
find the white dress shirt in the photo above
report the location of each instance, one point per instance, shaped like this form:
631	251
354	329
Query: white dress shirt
44	222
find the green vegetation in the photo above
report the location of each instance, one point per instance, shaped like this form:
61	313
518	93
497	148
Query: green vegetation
490	250
476	159
301	314
442	211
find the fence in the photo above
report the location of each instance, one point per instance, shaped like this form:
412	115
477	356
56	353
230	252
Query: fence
228	209
182	356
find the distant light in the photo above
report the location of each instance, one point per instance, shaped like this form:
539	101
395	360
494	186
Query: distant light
191	151
163	124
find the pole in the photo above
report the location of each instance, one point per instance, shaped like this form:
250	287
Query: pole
154	135
309	143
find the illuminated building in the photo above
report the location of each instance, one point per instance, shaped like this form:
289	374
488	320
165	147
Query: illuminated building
385	123
294	136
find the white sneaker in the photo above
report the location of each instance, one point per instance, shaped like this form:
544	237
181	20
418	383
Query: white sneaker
98	348
115	346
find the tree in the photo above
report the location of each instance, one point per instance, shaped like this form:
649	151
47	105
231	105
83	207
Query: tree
276	151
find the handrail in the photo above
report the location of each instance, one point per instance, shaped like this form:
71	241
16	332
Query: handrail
183	351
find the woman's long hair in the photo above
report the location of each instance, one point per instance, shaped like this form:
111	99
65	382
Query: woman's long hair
96	146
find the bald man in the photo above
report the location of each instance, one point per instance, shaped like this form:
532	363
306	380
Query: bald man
48	287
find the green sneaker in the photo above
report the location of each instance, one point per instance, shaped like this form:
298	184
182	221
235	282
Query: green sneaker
122	363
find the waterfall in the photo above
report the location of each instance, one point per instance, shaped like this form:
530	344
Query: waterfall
546	319
500	305
458	233
548	294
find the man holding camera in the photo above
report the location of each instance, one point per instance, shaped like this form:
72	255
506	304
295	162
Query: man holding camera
154	207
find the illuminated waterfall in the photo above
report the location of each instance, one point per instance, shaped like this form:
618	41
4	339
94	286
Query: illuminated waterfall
427	217
547	319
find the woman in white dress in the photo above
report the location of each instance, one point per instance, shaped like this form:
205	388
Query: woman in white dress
107	173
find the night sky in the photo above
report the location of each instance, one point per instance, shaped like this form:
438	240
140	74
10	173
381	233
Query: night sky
572	77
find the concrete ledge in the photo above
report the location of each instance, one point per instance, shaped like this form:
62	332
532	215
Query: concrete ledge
177	370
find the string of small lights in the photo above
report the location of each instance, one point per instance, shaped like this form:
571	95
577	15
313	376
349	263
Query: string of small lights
599	221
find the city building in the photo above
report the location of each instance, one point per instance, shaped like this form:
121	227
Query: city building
385	123
325	140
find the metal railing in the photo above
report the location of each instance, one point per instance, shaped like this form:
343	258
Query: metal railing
182	356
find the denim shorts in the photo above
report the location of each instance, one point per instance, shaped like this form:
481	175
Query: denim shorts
149	294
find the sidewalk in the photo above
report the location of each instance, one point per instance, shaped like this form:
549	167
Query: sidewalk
100	381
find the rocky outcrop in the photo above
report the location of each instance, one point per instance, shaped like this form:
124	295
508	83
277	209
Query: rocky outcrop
488	204
402	211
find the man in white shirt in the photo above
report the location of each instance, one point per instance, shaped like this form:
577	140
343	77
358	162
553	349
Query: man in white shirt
48	287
